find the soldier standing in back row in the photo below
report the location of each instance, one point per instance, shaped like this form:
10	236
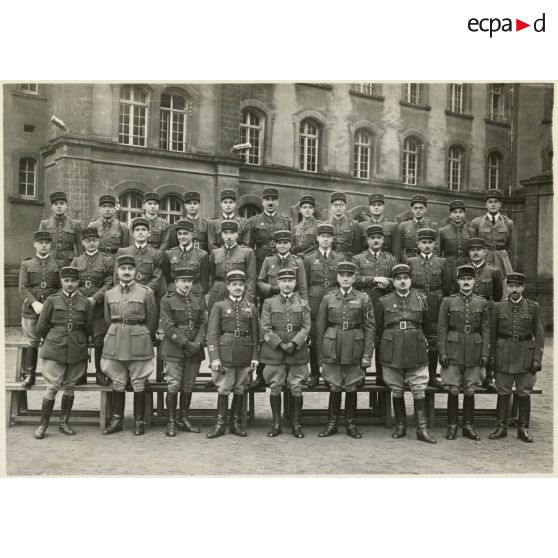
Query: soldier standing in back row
199	234
516	352
95	277
305	231
65	231
38	279
346	231
113	234
376	204
228	207
159	228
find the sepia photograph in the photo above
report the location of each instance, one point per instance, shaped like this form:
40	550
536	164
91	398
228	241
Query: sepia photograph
278	278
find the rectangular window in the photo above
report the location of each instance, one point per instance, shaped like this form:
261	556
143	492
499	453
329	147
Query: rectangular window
132	129
367	88
456	97
172	127
252	131
413	93
497	109
455	168
30	88
308	147
410	162
362	152
27	183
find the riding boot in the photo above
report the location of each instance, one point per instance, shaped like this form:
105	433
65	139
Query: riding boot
489	382
350	415
275	402
453	411
259	382
433	381
65	409
100	378
236	416
115	424
523	419
296	428
333	414
139	413
46	413
31	355
400	413
502	406
171	412
314	378
222	407
183	423
468	413
420	413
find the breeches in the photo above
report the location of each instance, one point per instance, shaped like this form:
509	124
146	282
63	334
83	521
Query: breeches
181	375
58	375
231	378
119	371
467	377
524	383
416	378
342	377
29	327
294	375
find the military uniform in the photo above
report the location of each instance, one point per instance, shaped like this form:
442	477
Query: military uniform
390	233
233	338
113	234
402	325
407	236
516	351
200	229
259	234
463	341
183	320
158	227
131	317
65	323
304	232
214	238
285	326
346	231
488	282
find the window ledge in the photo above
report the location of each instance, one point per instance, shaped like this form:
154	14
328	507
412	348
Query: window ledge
419	107
29	96
459	114
318	85
15	199
367	96
497	123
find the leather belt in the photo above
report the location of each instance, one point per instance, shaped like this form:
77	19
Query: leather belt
42	285
345	325
68	327
516	337
89	284
127	321
404	324
236	333
493	246
466	329
288	329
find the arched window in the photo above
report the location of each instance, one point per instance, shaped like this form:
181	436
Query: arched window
362	154
455	167
248	210
170	208
309	138
131	203
494	171
132	124
173	121
411	161
27	181
252	130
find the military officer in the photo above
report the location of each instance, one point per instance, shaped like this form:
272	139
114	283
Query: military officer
346	231
454	240
516	351
267	284
320	268
228	207
402	325
230	257
463	341
38	279
497	231
187	255
373	275
233	340
183	320
192	206
488	285
113	234
405	245
305	231
65	323
430	276
376	204
285	326
159	228
95	277
131	317
345	330
65	231
148	260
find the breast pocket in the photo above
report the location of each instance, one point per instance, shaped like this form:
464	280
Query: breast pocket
260	233
155	237
68	237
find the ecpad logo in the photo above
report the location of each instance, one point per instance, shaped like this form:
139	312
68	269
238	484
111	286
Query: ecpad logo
494	24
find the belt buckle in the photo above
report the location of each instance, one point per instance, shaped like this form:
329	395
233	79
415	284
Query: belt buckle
467	329
237	332
59	246
125	321
289	327
326	283
139	276
515	337
272	243
70	326
197	245
88	284
460	254
403	324
43	285
345	326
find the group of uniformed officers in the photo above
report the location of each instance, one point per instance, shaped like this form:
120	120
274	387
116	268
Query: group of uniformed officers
266	297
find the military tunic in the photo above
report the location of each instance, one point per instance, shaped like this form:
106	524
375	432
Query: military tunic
498	239
267	278
258	234
113	234
159	229
304	236
95	277
391	230
183	320
370	266
346	236
233	337
66	237
454	247
131	317
197	263
488	282
405	245
345	333
223	260
464	337
285	319
214	238
199	237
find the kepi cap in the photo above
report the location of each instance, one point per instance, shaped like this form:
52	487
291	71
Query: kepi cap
191	196
183	273
282	235
346	267
107	198
89	232
515	277
125	260
228	194
338	196
456	204
69	271
374	229
307	199
139	221
55	196
426	233
270	193
465	270
42	235
229	225
419	198
286	273
400	268
376	198
324	228
236	275
151	196
184	224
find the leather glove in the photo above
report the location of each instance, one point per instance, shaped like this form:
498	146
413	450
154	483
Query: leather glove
290	348
444	361
483	361
536	366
